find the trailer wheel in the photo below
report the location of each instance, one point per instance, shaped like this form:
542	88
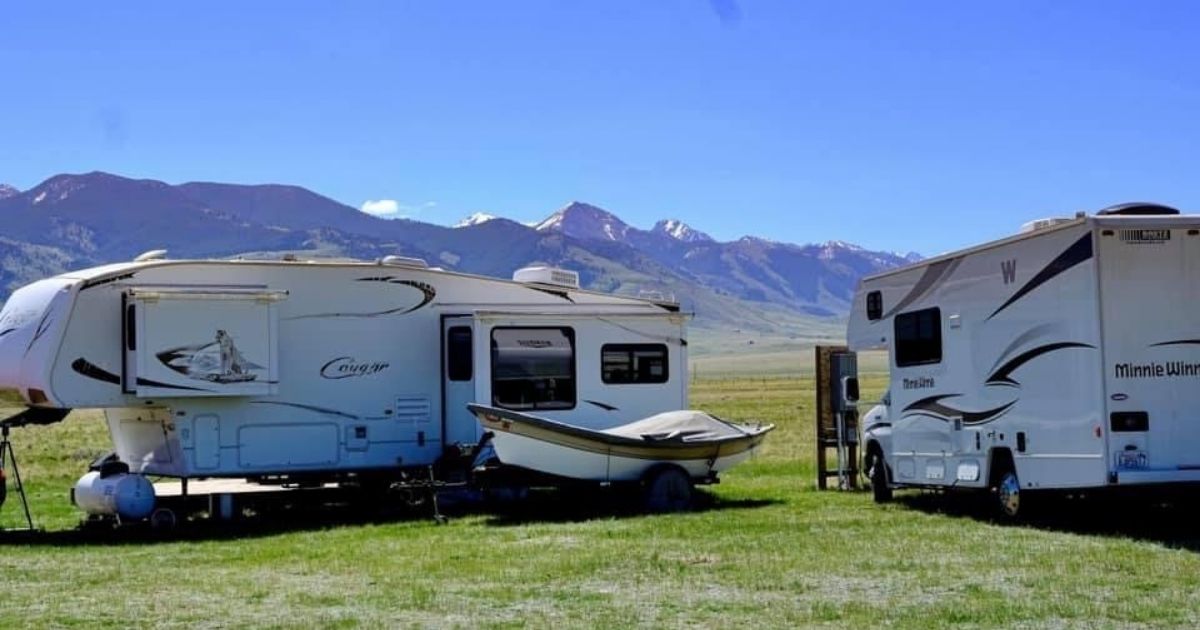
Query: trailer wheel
163	520
877	470
666	488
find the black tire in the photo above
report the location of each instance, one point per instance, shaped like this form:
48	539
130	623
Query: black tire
880	490
667	489
163	520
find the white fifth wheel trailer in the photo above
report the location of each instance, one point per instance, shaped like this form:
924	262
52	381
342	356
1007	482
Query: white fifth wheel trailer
1065	357
280	371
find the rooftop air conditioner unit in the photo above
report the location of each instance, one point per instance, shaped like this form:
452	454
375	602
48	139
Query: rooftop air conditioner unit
542	274
404	261
1042	224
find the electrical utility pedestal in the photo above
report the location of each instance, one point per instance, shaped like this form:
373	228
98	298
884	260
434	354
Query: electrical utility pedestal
837	417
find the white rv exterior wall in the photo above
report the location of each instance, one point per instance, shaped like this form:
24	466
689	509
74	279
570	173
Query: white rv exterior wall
956	412
1150	294
359	363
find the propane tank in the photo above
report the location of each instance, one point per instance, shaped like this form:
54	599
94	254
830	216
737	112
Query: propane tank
130	497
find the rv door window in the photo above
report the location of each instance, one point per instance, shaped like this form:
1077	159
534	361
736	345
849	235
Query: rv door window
458	353
918	339
533	368
627	363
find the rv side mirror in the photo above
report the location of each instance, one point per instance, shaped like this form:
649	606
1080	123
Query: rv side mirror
849	390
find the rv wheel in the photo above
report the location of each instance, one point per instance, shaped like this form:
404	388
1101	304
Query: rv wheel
880	490
1008	495
667	489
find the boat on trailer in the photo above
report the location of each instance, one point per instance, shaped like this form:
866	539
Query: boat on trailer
699	444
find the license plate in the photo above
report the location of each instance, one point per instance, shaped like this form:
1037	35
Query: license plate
1132	459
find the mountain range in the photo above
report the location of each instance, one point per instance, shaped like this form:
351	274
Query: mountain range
71	221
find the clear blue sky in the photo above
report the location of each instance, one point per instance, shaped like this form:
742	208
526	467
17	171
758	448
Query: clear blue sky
914	125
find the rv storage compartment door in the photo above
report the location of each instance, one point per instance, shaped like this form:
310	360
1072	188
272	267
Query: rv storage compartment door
203	342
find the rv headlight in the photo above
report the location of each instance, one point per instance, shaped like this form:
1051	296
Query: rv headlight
967	471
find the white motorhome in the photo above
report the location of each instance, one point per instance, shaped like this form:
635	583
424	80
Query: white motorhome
1065	357
323	371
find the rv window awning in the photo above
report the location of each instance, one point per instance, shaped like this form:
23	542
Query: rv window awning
604	313
206	293
530	339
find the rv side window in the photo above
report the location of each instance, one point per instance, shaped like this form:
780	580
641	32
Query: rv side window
874	305
918	339
458	353
533	368
625	363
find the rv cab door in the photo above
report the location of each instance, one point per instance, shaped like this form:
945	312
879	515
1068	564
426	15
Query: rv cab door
458	380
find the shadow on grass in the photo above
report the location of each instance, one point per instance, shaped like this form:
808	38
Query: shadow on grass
542	506
573	506
1166	518
203	528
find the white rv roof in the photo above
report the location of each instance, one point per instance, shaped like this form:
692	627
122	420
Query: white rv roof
1114	221
93	274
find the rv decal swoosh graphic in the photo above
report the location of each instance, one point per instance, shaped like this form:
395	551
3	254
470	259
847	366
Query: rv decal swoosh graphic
932	407
1077	253
428	292
1177	342
1021	340
325	410
1003	374
43	326
934	275
562	294
86	368
149	383
6	331
604	406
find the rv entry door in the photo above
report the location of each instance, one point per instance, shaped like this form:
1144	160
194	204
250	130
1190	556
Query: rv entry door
458	380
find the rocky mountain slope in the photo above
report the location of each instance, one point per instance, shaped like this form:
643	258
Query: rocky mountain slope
71	221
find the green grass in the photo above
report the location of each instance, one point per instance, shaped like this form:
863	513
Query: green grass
767	551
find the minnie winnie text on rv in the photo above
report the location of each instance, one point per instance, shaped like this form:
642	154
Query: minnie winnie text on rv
327	371
1061	358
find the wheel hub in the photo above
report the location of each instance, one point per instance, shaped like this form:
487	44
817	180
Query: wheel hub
1009	494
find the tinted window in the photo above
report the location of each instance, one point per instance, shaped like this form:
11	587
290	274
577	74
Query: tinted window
533	368
918	339
622	363
458	353
874	305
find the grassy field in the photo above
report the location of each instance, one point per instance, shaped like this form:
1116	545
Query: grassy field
766	550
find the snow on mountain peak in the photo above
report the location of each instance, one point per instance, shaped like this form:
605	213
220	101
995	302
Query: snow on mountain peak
585	221
551	222
8	191
842	245
681	231
475	219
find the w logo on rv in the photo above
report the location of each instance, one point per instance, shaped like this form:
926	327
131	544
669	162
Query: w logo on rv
1008	270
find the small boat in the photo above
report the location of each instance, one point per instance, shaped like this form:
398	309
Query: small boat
700	444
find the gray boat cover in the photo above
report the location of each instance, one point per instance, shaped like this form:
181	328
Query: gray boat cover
681	426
